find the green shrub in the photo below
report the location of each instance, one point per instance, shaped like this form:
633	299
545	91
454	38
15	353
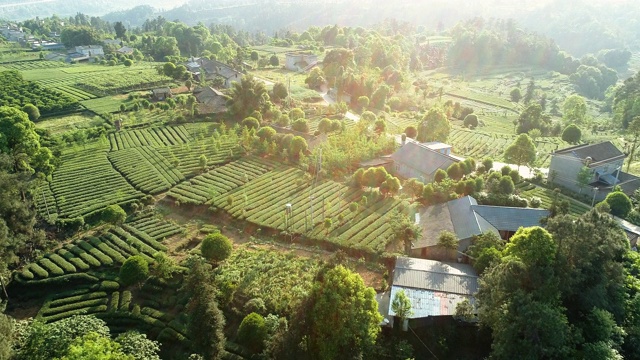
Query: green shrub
51	268
26	274
77	298
125	301
108	285
619	203
216	247
115	299
134	270
64	264
38	271
81	311
253	332
74	306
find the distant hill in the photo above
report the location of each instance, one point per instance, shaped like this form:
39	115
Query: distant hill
28	9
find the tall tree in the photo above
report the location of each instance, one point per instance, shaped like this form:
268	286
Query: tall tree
121	31
574	110
633	131
521	152
247	96
344	319
206	321
434	126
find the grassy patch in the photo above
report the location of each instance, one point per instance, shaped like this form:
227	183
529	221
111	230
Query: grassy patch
61	124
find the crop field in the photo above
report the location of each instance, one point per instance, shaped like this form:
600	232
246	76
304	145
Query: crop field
99	80
18	92
187	156
45	202
105	105
480	145
221	180
61	124
33	65
153	228
263	201
86	182
158	136
146	169
576	208
281	279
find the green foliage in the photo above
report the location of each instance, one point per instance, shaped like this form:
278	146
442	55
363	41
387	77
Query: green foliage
79	36
137	345
485	251
454	171
253	332
251	123
506	186
216	247
344	317
93	346
18	136
574	110
620	203
205	320
280	91
434	126
316	78
440	175
32	111
448	240
411	131
134	270
247	96
163	265
6	336
401	305
572	134
522	151
515	95
471	121
533	118
114	214
300	125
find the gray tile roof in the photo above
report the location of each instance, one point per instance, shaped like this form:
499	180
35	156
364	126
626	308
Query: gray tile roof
425	274
600	152
420	157
510	218
465	221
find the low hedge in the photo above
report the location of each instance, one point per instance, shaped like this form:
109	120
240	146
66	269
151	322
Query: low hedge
86	257
155	314
104	259
115	299
125	301
109	285
52	268
38	271
82	311
61	262
76	298
26	274
73	306
105	249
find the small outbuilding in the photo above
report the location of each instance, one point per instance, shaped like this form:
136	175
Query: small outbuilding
420	161
161	94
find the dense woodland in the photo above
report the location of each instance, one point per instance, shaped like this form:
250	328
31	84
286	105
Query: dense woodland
151	230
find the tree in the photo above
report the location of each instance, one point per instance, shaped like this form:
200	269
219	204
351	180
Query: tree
327	224
585	175
280	91
163	265
515	95
114	215
401	306
188	84
206	322
6	336
134	270
440	175
411	131
533	118
297	146
448	240
434	126
120	30
18	136
128	62
620	204
572	134
344	316
505	185
454	171
247	96
251	123
485	251
574	110
137	345
253	332
202	161
79	36
274	61
324	126
522	151
32	111
316	79
300	125
216	247
471	121
93	346
634	130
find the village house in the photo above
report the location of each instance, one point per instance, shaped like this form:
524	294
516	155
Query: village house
213	69
603	160
210	100
421	161
434	288
161	94
300	61
466	219
125	50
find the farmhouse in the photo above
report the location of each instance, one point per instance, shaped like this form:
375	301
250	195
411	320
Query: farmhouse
421	161
210	100
604	162
300	61
126	50
433	287
161	94
212	69
90	50
466	219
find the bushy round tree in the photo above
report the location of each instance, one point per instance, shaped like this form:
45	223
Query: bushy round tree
216	247
619	203
134	270
572	134
251	123
471	121
253	332
32	111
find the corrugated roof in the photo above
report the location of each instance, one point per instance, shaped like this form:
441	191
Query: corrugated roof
465	222
597	152
510	218
420	157
435	275
429	303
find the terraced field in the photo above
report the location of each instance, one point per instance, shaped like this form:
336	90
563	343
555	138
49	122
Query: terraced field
158	136
146	169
